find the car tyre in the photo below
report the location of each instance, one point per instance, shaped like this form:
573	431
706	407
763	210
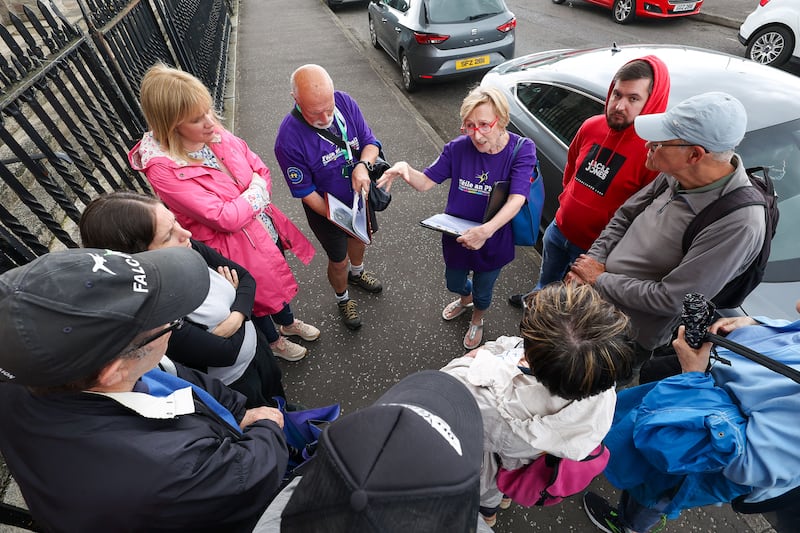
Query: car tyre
559	1
623	11
772	45
409	83
373	37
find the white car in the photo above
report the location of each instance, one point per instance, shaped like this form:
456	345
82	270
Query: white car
771	33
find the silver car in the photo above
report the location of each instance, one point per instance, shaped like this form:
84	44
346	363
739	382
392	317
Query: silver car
438	39
552	93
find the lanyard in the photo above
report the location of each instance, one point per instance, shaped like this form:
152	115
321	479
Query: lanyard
339	119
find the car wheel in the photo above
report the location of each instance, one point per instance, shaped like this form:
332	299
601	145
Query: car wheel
409	83
373	37
623	11
772	45
559	1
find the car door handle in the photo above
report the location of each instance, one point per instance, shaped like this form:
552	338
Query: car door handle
384	19
397	29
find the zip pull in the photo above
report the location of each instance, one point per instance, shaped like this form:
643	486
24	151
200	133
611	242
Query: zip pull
671	198
244	230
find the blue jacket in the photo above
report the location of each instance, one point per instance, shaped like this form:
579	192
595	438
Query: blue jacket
699	439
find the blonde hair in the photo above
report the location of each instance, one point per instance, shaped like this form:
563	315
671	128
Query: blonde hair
169	96
486	95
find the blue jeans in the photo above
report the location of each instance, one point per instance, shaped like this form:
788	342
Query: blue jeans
480	286
557	256
284	317
636	516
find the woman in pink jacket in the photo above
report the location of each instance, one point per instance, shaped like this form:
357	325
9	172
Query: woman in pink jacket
220	191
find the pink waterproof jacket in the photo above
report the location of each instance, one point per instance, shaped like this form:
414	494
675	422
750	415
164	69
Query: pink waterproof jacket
210	204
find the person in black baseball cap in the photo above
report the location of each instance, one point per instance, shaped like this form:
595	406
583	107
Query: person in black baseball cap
99	439
409	462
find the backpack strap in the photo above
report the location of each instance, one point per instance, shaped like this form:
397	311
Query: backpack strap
720	208
520	142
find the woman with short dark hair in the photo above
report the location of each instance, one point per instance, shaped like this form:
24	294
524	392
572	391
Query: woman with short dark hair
218	337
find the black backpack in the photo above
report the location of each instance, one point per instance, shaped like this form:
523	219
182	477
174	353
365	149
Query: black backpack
761	193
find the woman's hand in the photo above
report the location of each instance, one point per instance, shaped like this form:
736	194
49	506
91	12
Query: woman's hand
475	238
230	325
723	326
230	274
261	184
399	169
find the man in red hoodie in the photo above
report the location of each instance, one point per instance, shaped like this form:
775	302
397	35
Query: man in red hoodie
605	166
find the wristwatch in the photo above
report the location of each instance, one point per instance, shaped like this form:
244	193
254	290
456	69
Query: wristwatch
365	163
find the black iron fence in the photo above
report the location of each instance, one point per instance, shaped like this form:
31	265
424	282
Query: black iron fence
69	107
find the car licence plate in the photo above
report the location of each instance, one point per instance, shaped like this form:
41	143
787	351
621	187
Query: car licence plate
684	7
472	62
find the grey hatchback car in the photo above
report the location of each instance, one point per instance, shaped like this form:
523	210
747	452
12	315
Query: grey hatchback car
552	93
438	39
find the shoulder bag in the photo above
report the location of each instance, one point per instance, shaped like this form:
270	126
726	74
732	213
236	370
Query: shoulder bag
549	479
525	224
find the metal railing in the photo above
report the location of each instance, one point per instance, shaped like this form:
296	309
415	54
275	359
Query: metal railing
69	108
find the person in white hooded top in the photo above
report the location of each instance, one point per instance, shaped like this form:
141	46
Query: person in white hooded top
550	390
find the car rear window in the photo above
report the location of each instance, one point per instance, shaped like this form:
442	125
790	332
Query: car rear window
449	11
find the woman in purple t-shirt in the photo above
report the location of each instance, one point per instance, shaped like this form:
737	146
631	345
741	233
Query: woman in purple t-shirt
474	162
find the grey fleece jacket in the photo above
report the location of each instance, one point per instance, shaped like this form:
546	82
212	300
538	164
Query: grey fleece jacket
647	274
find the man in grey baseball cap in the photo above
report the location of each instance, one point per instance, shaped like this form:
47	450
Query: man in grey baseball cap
715	120
96	436
638	262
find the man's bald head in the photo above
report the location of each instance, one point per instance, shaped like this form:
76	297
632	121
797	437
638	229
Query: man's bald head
312	90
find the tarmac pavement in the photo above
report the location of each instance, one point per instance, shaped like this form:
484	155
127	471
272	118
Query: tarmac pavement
403	331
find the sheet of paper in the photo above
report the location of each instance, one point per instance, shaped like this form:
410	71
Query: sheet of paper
448	224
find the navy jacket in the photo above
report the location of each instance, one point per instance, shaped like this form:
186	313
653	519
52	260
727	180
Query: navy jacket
84	462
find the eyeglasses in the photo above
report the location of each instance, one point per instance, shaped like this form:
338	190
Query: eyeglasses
172	326
656	146
483	128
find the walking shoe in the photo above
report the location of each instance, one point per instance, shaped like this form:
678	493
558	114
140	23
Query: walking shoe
365	280
349	314
490	520
307	332
505	503
288	350
517	300
603	515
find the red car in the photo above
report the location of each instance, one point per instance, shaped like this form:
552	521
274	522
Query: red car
625	11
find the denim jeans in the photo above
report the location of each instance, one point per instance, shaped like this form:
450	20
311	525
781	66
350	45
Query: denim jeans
480	286
557	255
284	317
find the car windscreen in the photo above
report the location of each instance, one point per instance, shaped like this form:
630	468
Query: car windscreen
778	148
450	11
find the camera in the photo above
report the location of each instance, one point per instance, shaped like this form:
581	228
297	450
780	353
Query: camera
696	315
